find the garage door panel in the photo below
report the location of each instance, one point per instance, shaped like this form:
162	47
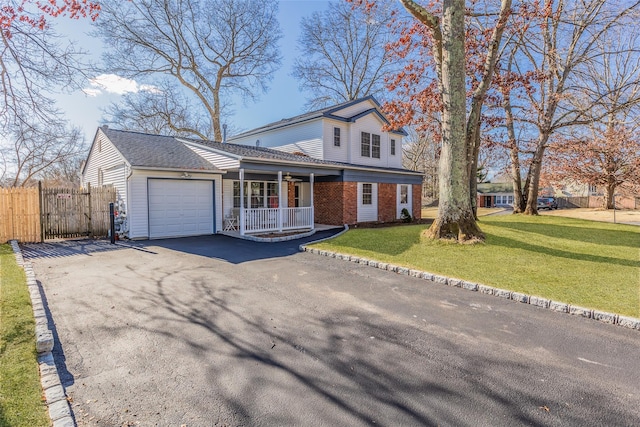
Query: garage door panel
180	208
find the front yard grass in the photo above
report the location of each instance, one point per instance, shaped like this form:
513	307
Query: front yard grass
21	401
585	263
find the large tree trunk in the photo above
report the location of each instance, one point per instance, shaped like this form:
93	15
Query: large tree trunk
455	217
534	175
609	195
519	200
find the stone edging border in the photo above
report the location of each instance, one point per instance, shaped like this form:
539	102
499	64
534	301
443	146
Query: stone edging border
55	396
602	316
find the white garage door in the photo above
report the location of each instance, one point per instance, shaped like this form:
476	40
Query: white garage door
180	208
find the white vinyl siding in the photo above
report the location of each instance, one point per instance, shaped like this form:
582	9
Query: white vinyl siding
218	160
404	199
105	158
331	151
303	137
355	109
372	125
367	212
138	219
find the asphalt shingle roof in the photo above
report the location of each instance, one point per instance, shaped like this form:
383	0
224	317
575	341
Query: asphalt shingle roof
157	151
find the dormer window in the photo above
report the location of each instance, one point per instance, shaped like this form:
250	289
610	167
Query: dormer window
393	147
336	137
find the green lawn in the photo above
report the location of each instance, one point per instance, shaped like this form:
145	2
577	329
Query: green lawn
21	401
586	263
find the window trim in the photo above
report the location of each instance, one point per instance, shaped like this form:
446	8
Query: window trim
404	198
336	136
392	147
365	144
375	146
369	193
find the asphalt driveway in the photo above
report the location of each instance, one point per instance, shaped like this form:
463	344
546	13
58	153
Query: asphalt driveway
217	331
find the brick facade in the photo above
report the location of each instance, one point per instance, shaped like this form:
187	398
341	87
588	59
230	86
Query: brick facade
336	203
291	194
417	201
387	202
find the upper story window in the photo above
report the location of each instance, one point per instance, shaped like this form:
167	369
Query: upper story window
370	145
593	189
367	194
365	144
336	137
393	147
375	146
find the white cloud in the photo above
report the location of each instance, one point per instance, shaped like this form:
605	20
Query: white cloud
92	92
111	83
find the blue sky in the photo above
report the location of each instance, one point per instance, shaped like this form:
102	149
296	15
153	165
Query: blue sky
282	100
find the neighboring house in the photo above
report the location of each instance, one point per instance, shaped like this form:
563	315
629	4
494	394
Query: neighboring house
172	187
498	194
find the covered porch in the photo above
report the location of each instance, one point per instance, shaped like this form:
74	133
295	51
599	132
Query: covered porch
258	202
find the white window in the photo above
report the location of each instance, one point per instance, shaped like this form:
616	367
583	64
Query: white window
255	195
336	137
367	194
365	144
404	194
369	145
393	147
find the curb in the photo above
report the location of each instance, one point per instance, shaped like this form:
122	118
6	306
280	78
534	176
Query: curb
561	307
55	396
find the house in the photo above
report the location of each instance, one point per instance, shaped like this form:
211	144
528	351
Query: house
302	172
498	194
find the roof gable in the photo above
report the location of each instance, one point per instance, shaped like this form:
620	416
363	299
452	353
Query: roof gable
342	112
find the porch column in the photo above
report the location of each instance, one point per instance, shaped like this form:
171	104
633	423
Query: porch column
242	202
280	201
313	226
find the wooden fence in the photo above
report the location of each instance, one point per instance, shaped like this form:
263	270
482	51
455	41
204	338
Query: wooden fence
625	202
37	214
20	214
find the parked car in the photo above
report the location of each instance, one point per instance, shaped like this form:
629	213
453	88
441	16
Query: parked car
547	203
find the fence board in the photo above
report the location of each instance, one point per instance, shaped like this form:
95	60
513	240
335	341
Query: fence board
19	214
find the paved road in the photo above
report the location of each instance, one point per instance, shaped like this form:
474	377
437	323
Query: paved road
216	331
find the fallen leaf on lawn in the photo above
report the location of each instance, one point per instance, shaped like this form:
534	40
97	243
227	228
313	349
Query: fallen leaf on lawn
544	407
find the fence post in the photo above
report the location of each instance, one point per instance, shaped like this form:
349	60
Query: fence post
112	224
41	211
90	210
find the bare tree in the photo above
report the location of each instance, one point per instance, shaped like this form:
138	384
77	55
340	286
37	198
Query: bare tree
211	49
342	53
562	42
36	148
165	110
421	152
34	62
605	153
